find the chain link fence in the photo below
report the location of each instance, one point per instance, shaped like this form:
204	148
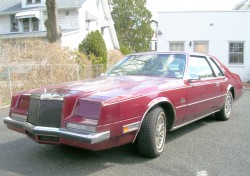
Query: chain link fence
15	78
32	63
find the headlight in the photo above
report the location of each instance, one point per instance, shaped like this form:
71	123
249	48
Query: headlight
85	116
82	127
87	109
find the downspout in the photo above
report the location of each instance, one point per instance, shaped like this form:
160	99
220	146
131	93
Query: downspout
110	23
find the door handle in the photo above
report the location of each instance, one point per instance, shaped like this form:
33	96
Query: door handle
217	84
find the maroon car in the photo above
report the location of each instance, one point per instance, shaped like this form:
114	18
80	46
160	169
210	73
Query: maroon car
138	99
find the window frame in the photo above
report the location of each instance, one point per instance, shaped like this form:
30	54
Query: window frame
201	41
30	24
12	21
26	25
213	61
29	1
177	42
34	22
156	46
229	53
33	1
214	75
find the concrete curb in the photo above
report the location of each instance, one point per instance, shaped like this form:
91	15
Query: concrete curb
3	107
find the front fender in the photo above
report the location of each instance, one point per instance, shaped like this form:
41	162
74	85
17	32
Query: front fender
151	105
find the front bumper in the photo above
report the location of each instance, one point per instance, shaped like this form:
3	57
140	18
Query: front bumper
65	133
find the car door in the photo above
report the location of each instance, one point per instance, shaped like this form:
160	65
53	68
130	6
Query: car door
203	88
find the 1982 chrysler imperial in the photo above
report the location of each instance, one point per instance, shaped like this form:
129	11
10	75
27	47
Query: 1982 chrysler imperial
139	99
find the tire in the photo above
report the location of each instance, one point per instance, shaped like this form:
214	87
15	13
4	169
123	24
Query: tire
226	111
151	138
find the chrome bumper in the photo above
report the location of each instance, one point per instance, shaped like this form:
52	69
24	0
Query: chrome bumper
75	135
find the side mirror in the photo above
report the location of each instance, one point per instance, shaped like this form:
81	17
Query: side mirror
194	77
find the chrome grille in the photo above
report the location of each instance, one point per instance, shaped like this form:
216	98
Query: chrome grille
33	113
45	113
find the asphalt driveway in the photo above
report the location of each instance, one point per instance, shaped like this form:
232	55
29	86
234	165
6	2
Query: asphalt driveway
206	147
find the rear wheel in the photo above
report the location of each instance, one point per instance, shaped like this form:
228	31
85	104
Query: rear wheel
151	138
226	111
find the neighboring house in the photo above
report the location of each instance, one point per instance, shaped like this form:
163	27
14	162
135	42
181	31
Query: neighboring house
224	34
25	18
244	5
153	41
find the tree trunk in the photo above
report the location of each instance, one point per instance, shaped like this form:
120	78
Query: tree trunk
53	30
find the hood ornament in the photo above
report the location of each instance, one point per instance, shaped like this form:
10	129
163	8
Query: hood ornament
45	95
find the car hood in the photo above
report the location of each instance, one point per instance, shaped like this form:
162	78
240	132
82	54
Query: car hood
106	88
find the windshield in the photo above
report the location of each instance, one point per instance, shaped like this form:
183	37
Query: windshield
164	65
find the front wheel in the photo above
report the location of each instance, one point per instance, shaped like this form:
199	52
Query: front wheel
226	111
151	138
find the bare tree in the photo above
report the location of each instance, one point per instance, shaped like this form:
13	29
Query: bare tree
53	30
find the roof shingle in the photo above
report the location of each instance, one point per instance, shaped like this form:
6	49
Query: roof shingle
8	6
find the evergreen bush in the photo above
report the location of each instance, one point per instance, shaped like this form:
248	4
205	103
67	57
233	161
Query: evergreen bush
94	47
125	50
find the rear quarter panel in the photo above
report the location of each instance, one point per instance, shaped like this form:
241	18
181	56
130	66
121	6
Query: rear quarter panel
233	80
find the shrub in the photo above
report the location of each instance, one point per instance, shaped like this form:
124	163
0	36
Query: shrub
125	50
32	63
94	47
114	56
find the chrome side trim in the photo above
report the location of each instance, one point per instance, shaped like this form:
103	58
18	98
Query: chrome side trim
187	123
182	106
75	135
206	100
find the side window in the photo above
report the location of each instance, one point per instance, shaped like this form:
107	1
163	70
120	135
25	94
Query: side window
216	68
199	67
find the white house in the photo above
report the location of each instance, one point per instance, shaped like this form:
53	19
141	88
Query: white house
224	34
25	18
153	41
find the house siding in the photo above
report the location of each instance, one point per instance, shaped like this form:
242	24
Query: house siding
69	21
4	24
71	18
107	38
73	39
217	28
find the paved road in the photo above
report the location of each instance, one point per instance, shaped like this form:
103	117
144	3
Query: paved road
207	147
